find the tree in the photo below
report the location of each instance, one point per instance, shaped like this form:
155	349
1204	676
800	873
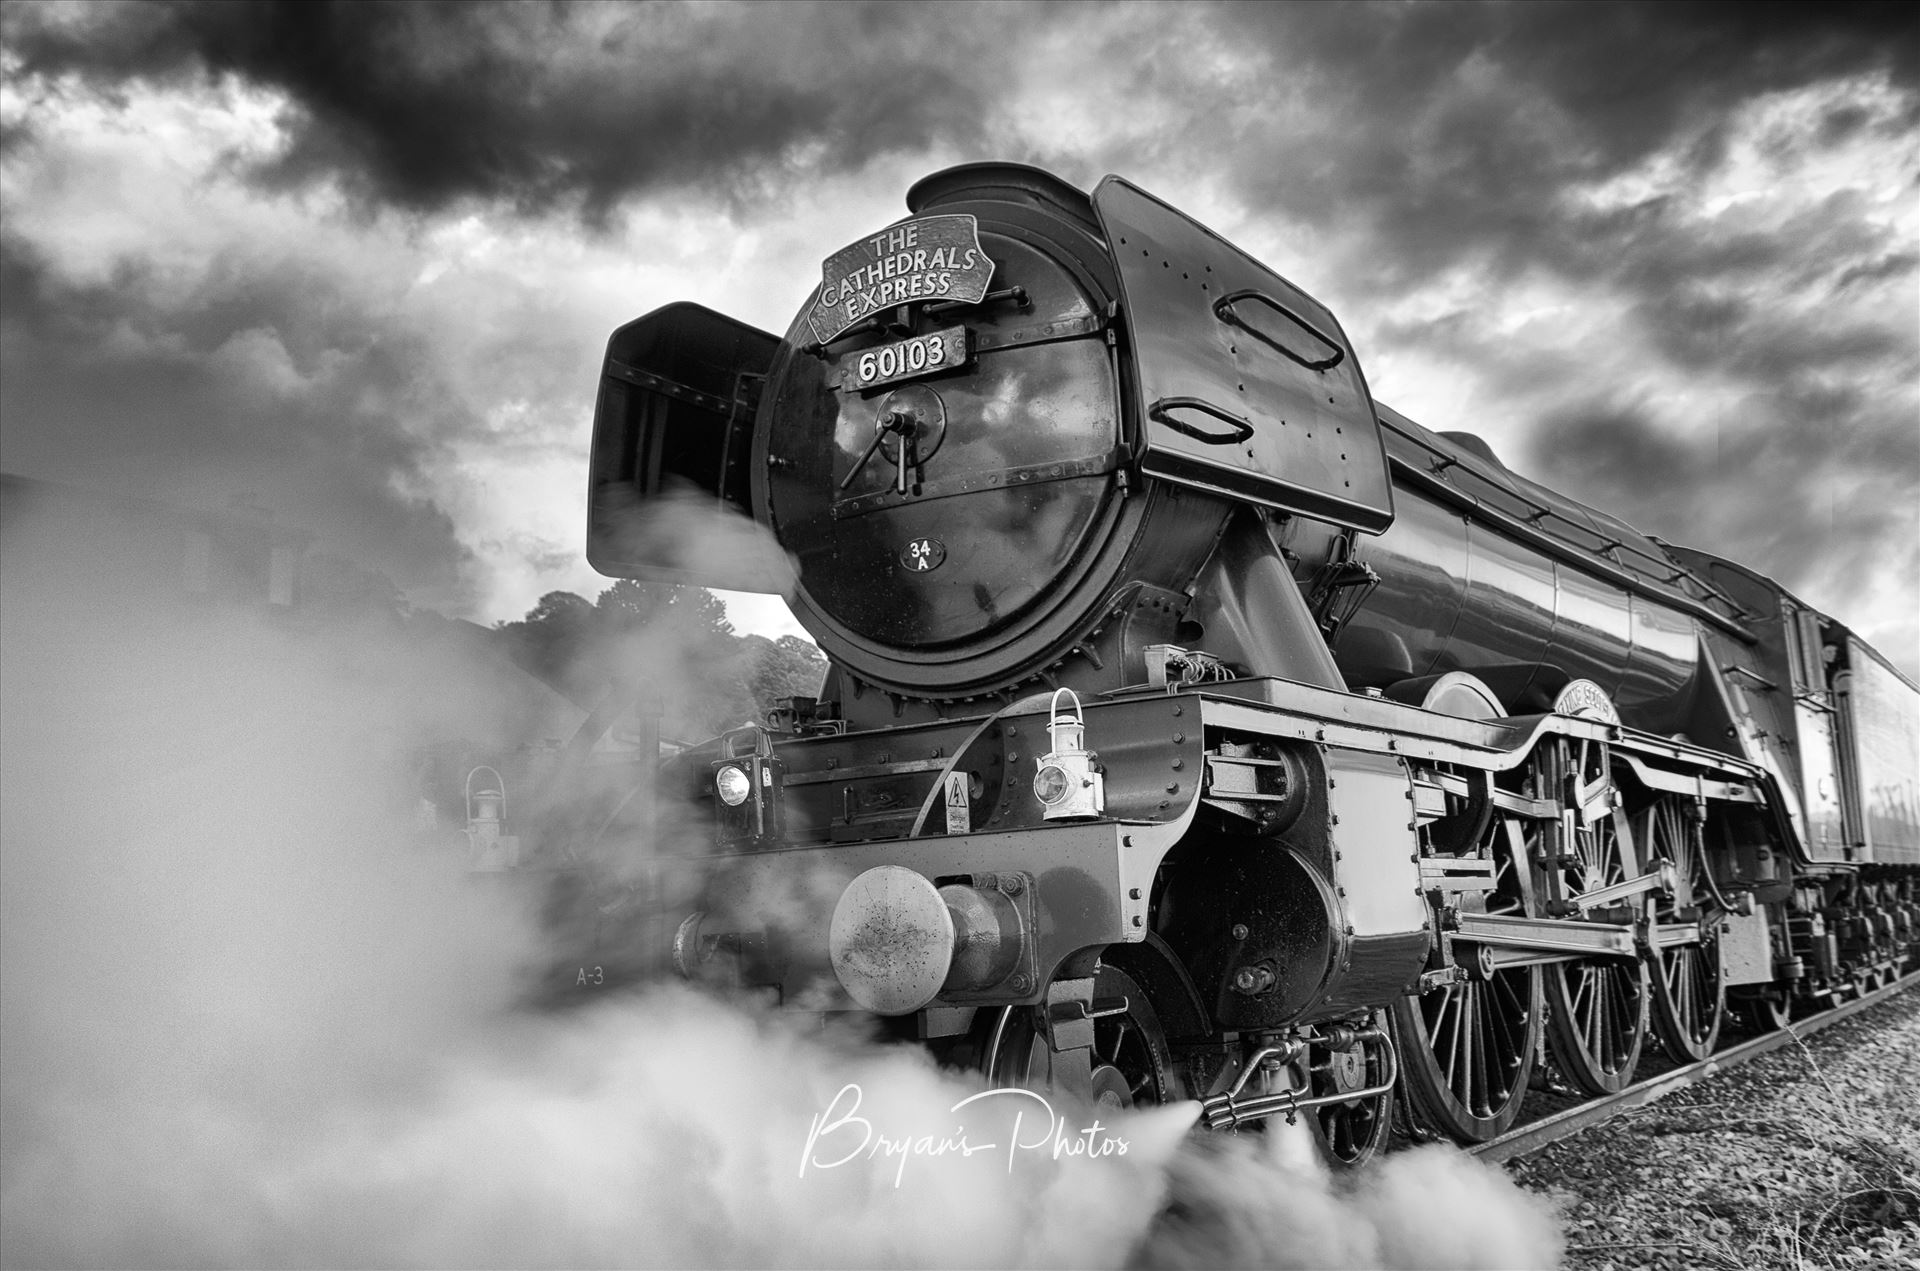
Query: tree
671	643
554	642
631	604
776	669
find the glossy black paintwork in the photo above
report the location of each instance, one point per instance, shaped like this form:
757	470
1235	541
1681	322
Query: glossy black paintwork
1879	712
648	444
1835	723
1008	523
1223	348
1047	546
1459	595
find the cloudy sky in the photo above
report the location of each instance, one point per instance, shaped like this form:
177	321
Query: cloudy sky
358	262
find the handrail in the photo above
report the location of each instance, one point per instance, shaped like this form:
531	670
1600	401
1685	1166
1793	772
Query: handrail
1528	529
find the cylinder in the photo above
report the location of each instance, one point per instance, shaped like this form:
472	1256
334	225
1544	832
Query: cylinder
986	938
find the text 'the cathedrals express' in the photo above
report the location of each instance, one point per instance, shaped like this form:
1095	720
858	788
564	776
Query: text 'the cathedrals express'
927	258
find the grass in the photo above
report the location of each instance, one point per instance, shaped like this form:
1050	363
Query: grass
1807	1175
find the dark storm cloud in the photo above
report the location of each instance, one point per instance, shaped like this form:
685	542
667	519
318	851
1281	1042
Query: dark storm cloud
1447	126
1892	265
255	387
420	104
1453	129
1813	506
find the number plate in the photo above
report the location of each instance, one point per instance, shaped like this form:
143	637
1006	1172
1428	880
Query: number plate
923	555
906	359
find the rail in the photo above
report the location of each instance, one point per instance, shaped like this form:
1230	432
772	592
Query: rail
1551	1129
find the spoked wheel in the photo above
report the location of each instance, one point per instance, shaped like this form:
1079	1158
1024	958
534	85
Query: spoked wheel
1466	1049
1596	1007
1131	1067
1689	996
1131	1064
1348	1134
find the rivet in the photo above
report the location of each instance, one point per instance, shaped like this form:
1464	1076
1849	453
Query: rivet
1239	931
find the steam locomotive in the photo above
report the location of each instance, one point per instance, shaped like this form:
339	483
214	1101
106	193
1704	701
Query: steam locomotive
1198	727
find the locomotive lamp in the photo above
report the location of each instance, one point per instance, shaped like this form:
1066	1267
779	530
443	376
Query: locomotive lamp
489	850
746	781
1068	784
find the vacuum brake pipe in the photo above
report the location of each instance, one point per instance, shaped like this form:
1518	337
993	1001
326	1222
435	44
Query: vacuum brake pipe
1224	1111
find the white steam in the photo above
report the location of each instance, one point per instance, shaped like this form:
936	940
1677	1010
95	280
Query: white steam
1265	1201
252	1013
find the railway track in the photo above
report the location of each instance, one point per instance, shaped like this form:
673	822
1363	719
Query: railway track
1555	1126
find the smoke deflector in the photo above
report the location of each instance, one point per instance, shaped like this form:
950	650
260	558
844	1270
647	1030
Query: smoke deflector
1247	385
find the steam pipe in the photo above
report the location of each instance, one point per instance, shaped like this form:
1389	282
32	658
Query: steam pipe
1224	1111
1698	829
993	1045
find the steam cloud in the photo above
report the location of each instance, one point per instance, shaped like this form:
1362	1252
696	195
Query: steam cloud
254	1013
